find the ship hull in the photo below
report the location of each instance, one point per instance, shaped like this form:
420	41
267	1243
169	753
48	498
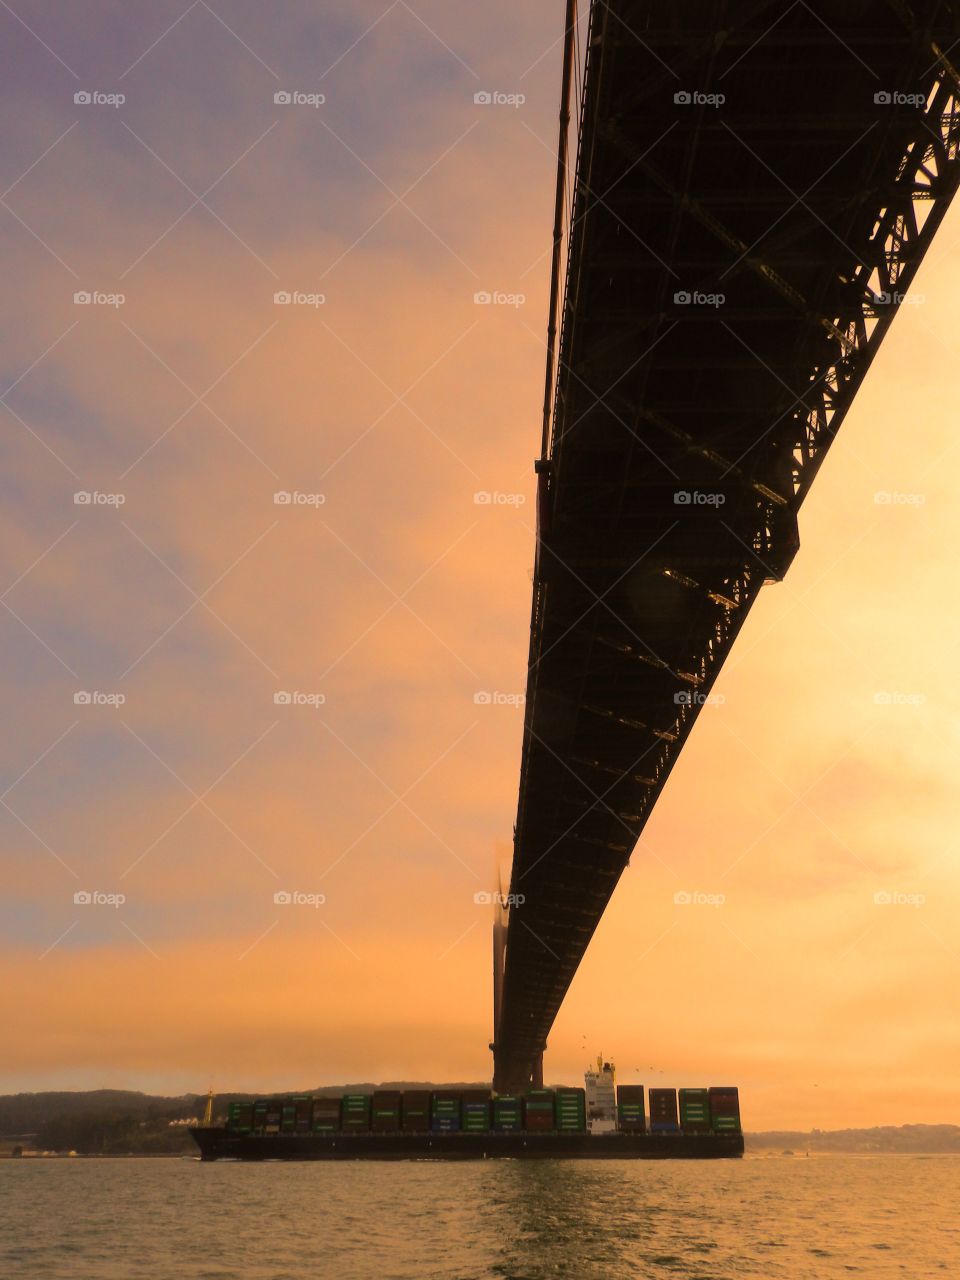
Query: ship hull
222	1144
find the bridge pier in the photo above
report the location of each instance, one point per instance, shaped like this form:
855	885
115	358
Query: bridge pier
513	1074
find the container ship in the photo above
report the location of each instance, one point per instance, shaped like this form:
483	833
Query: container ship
597	1122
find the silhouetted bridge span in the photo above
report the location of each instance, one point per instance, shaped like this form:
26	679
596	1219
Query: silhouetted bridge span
755	186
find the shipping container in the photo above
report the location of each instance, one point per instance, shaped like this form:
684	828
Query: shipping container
415	1111
326	1115
385	1111
355	1112
539	1111
663	1111
630	1093
630	1114
695	1110
288	1115
260	1115
240	1117
303	1114
445	1112
724	1108
273	1116
507	1113
571	1110
475	1110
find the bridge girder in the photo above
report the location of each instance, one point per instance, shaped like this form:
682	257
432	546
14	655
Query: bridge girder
808	205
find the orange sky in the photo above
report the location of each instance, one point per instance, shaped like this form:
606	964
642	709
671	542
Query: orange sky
800	797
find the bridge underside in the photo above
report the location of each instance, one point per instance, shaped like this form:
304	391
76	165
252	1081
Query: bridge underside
733	265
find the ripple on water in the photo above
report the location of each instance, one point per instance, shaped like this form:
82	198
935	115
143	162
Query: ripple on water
179	1220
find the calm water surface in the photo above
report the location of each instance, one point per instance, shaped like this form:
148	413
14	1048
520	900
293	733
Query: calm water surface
763	1217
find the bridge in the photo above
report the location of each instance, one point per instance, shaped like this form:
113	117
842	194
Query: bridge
755	185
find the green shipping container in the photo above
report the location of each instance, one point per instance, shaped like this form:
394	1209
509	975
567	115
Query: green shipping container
694	1110
355	1110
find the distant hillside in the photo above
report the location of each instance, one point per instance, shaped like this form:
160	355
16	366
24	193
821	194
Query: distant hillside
925	1139
120	1122
25	1112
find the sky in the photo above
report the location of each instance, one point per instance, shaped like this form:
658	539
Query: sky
214	696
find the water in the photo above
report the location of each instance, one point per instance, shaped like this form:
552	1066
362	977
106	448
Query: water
765	1217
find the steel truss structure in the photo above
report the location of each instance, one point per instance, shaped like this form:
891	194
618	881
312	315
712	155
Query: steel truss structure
756	185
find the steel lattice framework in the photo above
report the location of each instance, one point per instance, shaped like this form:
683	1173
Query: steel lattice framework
795	161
